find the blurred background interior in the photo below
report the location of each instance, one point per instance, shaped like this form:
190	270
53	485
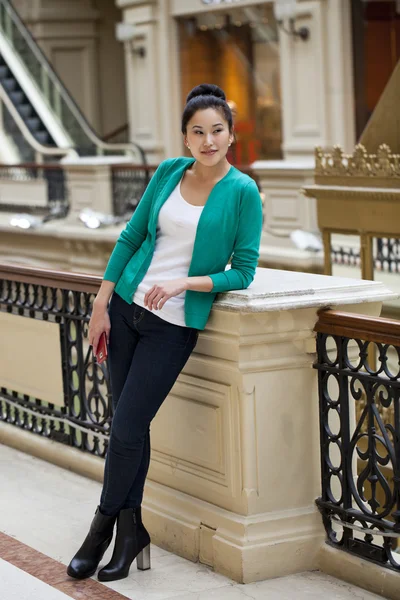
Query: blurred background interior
91	93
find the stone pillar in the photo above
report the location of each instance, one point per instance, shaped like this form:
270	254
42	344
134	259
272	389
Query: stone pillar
317	92
235	467
143	73
89	186
317	110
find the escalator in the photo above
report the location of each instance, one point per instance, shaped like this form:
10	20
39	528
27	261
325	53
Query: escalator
38	111
27	113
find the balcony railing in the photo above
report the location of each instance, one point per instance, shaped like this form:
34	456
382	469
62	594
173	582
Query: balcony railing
360	434
386	255
129	183
50	197
79	415
359	399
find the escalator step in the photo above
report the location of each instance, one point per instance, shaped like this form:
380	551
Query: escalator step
17	97
4	71
42	137
9	84
25	110
33	123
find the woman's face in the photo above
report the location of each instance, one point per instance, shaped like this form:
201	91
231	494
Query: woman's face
208	137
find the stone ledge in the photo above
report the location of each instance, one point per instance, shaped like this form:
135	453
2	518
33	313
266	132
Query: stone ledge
274	290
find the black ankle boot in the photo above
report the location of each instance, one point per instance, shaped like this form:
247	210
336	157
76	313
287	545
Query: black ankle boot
132	541
86	560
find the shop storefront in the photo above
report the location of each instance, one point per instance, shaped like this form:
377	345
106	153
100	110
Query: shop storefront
231	43
290	95
237	48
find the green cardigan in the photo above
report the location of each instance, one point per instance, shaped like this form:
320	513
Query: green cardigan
230	223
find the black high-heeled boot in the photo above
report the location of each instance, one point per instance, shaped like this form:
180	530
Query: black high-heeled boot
132	541
86	560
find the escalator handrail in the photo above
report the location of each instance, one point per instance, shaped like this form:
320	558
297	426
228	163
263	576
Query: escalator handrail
45	150
73	106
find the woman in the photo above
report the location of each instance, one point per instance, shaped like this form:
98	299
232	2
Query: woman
165	271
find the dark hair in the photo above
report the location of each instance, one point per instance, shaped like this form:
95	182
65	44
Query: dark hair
206	96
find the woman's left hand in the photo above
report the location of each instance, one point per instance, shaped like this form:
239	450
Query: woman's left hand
157	296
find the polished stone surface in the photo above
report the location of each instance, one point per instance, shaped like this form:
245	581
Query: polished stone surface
273	289
49	509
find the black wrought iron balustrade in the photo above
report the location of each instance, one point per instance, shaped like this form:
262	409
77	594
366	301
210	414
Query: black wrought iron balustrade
129	183
386	255
52	175
83	421
359	389
345	256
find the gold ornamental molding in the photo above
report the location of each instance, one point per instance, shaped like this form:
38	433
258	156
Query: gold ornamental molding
359	168
357	194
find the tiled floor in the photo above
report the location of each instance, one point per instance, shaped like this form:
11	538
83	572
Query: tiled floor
44	515
18	585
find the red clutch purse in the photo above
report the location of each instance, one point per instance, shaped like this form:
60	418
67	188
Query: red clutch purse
102	352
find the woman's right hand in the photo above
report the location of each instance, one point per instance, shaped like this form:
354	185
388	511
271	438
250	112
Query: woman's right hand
99	322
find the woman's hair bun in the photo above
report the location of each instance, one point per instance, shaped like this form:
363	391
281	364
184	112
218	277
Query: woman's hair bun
203	97
206	89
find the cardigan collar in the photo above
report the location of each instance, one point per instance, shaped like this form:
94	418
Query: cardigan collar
171	183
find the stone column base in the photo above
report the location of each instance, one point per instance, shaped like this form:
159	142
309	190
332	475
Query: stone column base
245	549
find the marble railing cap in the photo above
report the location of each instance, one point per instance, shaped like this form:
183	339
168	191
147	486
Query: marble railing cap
273	290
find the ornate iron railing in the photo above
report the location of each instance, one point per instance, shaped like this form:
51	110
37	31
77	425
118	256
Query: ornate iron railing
345	256
66	299
386	255
128	185
360	449
54	177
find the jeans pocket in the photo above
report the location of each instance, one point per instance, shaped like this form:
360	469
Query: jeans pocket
179	340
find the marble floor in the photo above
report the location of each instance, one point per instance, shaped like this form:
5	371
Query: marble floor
45	512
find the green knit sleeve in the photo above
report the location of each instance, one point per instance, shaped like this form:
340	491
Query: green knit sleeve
247	244
134	233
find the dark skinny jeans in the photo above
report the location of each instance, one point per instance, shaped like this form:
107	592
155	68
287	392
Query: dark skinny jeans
146	355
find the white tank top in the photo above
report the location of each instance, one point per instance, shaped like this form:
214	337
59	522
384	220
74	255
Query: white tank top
176	232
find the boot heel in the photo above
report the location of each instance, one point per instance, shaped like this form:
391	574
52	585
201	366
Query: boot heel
143	559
